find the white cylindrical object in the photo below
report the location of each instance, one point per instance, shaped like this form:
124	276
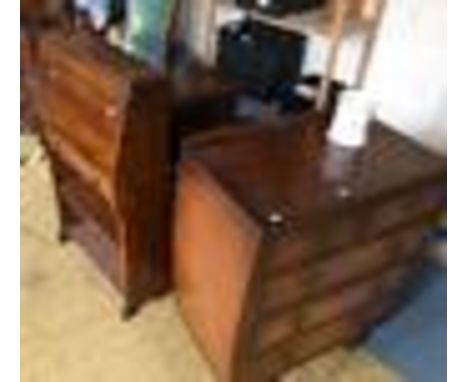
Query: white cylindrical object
351	120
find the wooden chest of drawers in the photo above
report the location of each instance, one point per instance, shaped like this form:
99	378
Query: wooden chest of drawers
112	128
38	8
272	265
105	126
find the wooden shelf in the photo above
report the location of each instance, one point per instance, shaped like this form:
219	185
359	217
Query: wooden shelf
317	22
339	19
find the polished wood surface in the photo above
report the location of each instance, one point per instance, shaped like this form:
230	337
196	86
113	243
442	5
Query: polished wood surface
203	281
36	18
34	8
112	127
105	125
43	13
287	179
274	264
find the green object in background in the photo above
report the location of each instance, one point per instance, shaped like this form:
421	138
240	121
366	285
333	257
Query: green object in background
147	30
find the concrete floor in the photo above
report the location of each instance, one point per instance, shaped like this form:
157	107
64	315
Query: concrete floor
70	326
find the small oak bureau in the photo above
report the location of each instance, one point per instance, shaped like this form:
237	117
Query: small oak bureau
273	263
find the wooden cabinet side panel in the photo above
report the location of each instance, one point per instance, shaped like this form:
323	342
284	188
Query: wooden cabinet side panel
142	181
215	249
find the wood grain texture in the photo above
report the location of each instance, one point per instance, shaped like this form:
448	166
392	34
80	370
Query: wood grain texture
105	124
280	170
210	270
112	127
316	270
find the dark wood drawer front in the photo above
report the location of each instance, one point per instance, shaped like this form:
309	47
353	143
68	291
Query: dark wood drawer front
331	306
83	197
80	129
278	359
350	229
352	298
321	240
317	277
73	158
102	114
306	344
78	69
410	207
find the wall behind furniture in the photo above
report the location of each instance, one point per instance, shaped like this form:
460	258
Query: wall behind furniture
407	73
408	70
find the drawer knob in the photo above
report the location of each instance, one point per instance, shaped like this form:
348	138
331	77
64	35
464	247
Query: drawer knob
52	73
275	218
111	111
344	192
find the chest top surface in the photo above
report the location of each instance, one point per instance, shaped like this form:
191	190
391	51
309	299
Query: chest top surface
279	174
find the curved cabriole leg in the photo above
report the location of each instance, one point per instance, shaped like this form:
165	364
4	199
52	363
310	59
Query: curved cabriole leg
129	310
62	235
357	341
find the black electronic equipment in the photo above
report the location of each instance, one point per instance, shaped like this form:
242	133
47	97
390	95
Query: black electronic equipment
281	7
260	54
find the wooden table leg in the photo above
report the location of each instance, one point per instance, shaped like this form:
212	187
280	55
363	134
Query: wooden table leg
369	43
336	33
210	31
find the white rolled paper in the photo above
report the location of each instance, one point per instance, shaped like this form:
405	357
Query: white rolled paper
351	120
